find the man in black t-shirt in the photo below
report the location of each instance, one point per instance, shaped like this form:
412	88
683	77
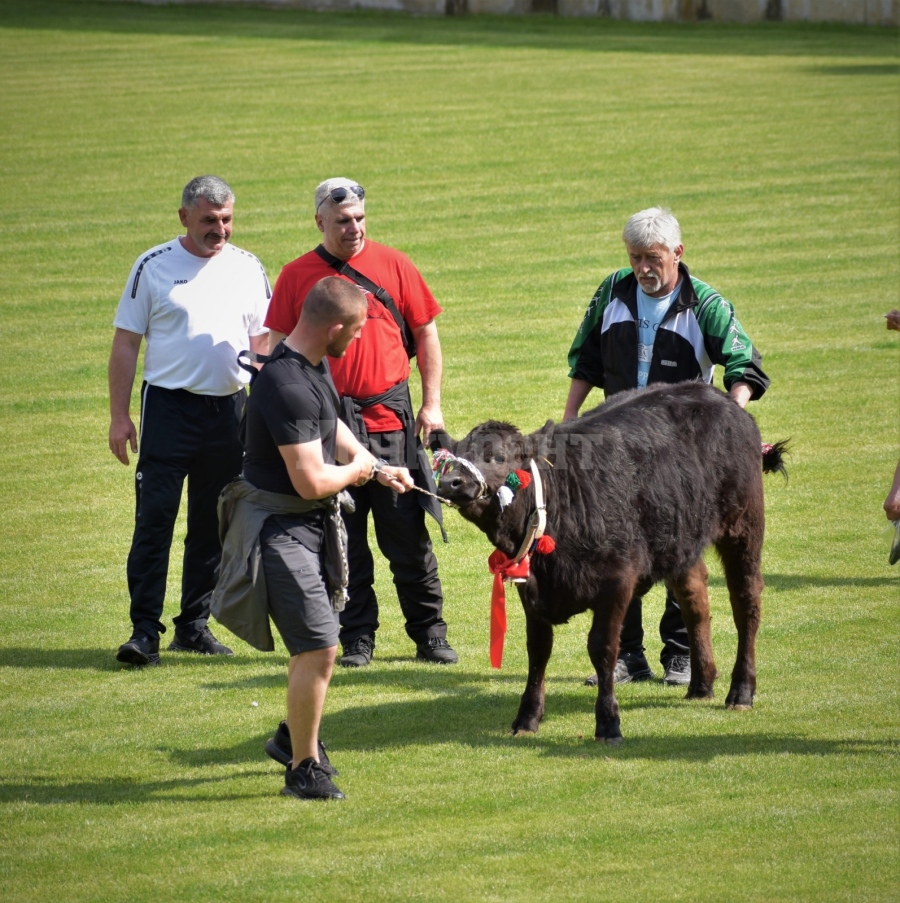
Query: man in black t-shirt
297	447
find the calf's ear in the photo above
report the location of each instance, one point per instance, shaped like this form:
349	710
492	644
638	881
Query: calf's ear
441	439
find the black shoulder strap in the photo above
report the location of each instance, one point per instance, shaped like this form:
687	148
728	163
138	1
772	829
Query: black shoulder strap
344	268
256	358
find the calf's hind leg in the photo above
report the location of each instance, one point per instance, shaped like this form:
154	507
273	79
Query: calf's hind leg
691	591
603	648
745	585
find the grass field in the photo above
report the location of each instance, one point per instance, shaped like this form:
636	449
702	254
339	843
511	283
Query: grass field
504	156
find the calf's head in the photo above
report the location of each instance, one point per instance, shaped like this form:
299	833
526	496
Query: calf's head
479	464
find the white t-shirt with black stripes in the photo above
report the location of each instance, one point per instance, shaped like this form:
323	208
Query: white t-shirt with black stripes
196	314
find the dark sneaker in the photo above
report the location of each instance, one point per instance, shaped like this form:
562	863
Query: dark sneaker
436	650
309	781
631	667
358	653
139	650
204	644
678	671
279	748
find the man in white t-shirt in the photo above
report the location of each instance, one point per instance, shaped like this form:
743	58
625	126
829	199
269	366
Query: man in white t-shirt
198	301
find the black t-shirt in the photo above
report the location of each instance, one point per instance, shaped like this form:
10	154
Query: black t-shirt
291	402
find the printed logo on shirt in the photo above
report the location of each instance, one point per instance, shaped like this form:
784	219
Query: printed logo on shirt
738	345
180	282
669	363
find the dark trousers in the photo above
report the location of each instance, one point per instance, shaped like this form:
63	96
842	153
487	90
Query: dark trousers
672	631
403	539
183	436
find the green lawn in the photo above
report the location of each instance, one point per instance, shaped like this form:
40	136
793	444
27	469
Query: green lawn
504	155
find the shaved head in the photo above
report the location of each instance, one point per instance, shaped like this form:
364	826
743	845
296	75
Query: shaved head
333	300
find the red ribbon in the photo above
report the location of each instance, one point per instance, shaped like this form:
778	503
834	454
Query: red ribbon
503	568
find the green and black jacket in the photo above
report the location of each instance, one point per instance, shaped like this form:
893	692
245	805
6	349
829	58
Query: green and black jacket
698	331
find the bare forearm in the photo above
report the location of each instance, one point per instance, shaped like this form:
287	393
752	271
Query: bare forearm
122	369
327	479
578	392
741	393
892	502
431	365
312	478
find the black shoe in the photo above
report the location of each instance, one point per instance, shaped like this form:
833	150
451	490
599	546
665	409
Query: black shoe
678	671
309	781
139	650
436	650
204	644
631	667
358	653
279	748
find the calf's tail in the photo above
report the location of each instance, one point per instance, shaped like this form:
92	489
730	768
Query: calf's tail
773	457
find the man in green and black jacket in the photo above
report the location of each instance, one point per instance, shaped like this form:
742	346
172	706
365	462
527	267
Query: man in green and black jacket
653	322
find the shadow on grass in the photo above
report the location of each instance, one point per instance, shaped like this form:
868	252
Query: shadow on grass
105	659
422	727
458	707
383	27
477	710
113	791
871	69
789	582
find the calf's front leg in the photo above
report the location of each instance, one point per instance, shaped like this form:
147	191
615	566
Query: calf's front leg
539	643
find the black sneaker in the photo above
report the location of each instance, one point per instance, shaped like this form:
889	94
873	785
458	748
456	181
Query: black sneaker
678	671
358	653
309	781
279	748
139	650
204	644
631	667
436	650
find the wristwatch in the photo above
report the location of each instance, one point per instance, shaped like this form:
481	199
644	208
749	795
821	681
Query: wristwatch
378	466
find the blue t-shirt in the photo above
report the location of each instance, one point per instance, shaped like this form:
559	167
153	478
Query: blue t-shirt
650	314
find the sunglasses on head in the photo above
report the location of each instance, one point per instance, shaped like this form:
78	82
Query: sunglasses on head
341	194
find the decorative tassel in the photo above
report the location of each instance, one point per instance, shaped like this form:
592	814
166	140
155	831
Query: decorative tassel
545	545
505	495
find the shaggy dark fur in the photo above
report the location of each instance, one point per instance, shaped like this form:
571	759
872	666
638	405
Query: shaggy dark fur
635	491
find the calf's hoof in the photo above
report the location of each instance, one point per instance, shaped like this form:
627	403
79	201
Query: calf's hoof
739	700
609	732
525	726
699	692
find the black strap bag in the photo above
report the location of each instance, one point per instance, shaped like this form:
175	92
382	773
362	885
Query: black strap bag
344	268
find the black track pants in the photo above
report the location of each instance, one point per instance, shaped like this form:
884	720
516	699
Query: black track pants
672	631
183	436
404	541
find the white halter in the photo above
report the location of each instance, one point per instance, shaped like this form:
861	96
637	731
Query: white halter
538	521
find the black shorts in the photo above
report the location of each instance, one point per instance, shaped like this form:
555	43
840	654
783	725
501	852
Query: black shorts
299	604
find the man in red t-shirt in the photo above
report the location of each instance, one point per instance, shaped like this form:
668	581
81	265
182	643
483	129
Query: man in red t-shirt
372	380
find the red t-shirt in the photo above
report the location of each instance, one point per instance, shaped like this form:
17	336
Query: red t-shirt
378	360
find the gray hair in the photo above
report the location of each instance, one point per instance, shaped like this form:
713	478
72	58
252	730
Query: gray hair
324	189
211	188
654	226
